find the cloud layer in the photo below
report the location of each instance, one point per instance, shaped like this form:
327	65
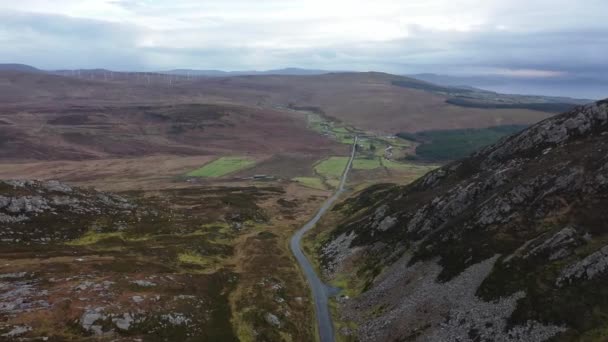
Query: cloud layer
535	38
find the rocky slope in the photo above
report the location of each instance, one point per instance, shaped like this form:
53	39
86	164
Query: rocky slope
510	244
83	265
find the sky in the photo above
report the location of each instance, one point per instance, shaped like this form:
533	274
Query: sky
516	38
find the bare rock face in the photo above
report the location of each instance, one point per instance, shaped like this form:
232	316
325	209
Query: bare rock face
559	245
439	311
588	268
515	233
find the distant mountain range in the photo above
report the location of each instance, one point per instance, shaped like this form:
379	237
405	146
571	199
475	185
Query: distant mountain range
18	67
563	86
219	73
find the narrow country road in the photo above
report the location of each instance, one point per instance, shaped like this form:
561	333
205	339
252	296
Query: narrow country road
320	291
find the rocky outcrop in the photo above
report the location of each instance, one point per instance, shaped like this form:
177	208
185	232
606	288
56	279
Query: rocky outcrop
588	268
438	311
42	212
530	209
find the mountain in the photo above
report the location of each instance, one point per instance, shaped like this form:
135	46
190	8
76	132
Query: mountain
18	67
378	102
509	244
398	104
559	86
219	73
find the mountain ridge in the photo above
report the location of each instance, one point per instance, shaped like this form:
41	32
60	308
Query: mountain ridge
506	245
18	67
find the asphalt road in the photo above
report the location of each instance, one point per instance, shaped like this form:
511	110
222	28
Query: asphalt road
320	291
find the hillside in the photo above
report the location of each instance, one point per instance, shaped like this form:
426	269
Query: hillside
506	245
387	103
18	67
58	132
206	263
373	101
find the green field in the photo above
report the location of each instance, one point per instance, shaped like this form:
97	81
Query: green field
332	129
311	182
332	167
222	166
344	138
366	164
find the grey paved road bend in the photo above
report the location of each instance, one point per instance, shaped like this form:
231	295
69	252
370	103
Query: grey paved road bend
320	291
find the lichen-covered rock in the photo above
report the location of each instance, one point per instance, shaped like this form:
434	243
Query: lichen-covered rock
124	322
559	245
588	268
272	319
17	331
90	320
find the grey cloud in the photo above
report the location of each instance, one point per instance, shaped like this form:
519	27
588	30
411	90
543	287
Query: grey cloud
54	41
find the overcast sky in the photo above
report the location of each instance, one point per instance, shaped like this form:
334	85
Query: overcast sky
541	38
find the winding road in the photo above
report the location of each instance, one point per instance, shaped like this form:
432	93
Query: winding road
320	291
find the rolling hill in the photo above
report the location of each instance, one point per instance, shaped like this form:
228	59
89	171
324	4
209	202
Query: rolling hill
381	102
373	101
18	67
220	73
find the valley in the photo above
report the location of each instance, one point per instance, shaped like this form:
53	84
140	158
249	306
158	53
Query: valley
195	247
303	171
138	207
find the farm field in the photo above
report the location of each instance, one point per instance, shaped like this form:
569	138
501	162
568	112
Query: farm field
222	166
332	167
366	163
336	131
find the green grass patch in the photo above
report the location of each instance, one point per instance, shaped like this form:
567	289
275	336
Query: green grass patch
311	182
332	167
344	138
347	285
339	133
334	183
366	164
222	166
92	237
192	258
340	130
